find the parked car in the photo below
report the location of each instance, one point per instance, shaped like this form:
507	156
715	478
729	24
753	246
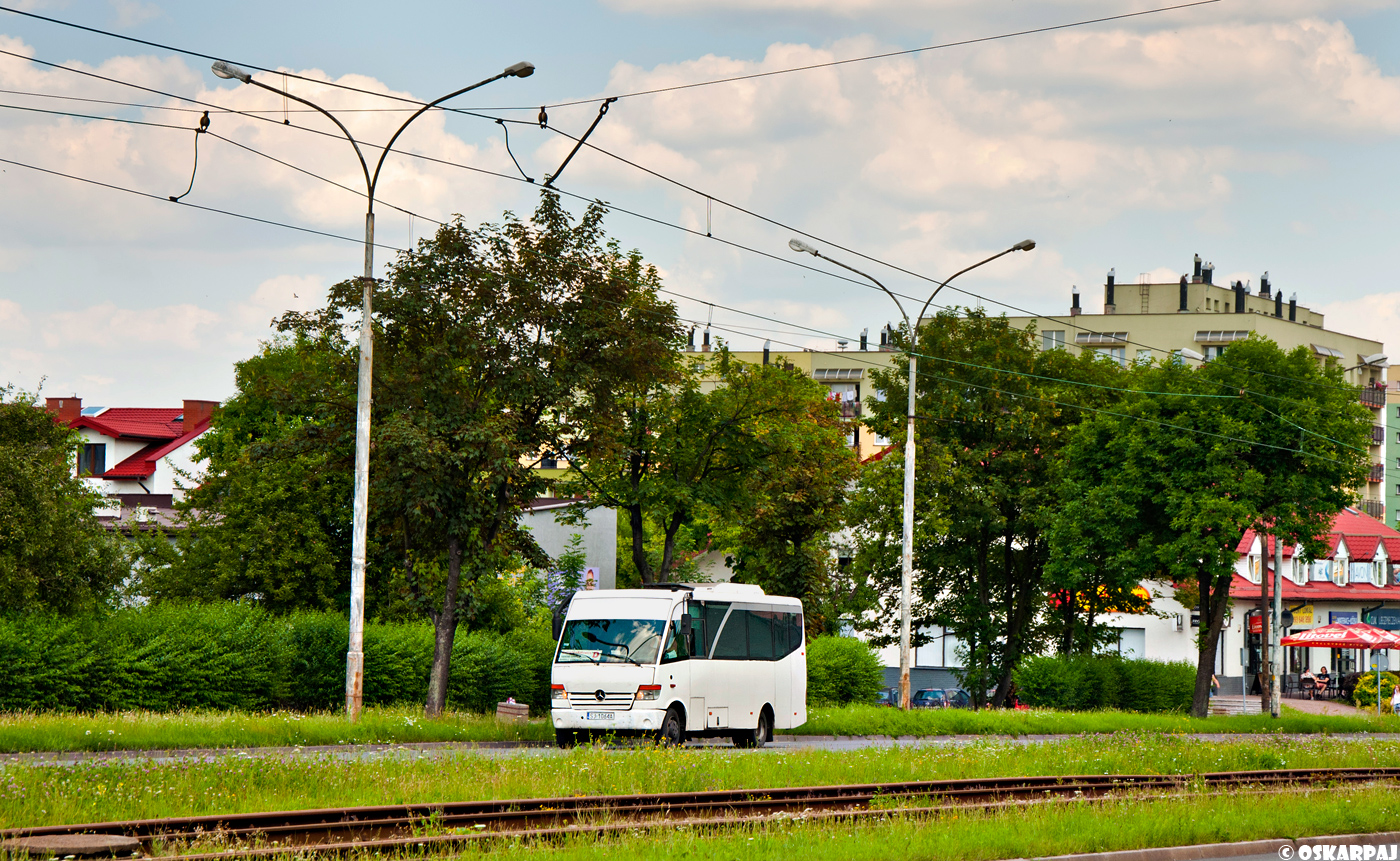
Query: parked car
959	699
887	697
929	698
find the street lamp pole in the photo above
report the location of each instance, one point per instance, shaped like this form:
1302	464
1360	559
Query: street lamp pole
906	583
355	655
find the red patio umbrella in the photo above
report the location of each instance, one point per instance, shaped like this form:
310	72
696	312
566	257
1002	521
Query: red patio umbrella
1339	636
1358	636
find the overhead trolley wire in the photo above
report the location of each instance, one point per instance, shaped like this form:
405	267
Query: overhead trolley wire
214	209
653	91
872	363
656	174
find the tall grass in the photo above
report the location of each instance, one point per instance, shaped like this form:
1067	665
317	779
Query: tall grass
210	729
876	720
132	789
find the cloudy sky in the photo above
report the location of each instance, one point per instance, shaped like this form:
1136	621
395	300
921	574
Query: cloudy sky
1258	133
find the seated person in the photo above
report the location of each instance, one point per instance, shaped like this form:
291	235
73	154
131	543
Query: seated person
1307	682
1323	678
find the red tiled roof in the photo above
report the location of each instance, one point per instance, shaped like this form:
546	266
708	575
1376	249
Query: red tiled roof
1362	532
143	463
139	422
1319	591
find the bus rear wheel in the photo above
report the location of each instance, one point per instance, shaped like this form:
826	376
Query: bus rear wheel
757	737
672	728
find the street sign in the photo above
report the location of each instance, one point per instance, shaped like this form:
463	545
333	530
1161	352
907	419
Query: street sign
1286	620
1379	662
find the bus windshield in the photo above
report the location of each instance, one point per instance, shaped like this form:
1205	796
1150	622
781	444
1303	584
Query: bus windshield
598	641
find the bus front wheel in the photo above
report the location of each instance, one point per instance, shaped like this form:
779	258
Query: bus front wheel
673	728
565	737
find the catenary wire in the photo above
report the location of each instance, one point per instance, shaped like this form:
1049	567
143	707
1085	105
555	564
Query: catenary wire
225	140
151	107
656	90
1068	322
214	209
635	165
633	213
711	324
736	245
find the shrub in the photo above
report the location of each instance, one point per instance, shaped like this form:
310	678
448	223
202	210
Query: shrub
236	656
1081	682
842	670
1363	696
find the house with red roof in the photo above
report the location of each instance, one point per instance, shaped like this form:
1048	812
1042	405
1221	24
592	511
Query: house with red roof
1356	580
139	457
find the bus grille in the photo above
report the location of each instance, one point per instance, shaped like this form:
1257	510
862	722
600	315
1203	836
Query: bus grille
611	701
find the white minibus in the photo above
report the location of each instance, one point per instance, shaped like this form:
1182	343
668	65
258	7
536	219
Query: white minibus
676	662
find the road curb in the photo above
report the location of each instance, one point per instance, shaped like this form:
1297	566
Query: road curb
1203	851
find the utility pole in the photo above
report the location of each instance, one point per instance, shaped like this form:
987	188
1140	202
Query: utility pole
1276	631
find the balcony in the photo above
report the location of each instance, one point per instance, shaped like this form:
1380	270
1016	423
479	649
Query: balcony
1372	396
1373	508
1377	473
1377	435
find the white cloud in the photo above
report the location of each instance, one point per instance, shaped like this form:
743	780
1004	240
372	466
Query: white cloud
1376	316
11	317
130	13
108	327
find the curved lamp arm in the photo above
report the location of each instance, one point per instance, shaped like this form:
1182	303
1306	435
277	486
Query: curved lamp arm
1023	245
228	70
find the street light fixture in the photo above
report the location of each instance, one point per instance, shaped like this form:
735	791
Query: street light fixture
355	656
906	586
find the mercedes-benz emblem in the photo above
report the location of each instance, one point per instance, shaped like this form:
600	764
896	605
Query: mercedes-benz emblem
599	695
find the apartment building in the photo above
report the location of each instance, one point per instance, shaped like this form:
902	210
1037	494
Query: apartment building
1196	320
1392	454
844	372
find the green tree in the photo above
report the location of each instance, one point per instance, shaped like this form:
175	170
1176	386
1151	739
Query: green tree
994	411
267	520
1261	438
491	345
54	555
792	501
713	443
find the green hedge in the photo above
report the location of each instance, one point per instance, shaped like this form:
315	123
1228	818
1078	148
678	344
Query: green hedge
234	656
842	670
1086	682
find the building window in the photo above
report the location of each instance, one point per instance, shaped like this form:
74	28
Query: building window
1053	339
1144	357
1117	354
93	459
1214	352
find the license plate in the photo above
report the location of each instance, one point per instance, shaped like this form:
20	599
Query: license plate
600	715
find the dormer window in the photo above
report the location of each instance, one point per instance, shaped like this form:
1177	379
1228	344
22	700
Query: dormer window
92	460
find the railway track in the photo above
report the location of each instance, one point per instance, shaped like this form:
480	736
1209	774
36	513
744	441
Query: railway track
446	825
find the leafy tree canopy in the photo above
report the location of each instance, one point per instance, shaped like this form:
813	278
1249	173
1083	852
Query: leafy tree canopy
54	554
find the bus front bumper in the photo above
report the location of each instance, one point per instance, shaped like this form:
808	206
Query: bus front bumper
632	720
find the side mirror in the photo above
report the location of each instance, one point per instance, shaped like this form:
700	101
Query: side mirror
687	631
558	626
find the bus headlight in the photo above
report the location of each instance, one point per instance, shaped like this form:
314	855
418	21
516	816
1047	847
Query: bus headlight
649	692
557	692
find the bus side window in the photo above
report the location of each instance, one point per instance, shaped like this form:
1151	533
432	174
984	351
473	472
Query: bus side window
713	616
798	631
761	629
733	642
783	626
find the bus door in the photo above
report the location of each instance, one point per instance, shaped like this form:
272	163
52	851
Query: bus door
709	678
674	675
